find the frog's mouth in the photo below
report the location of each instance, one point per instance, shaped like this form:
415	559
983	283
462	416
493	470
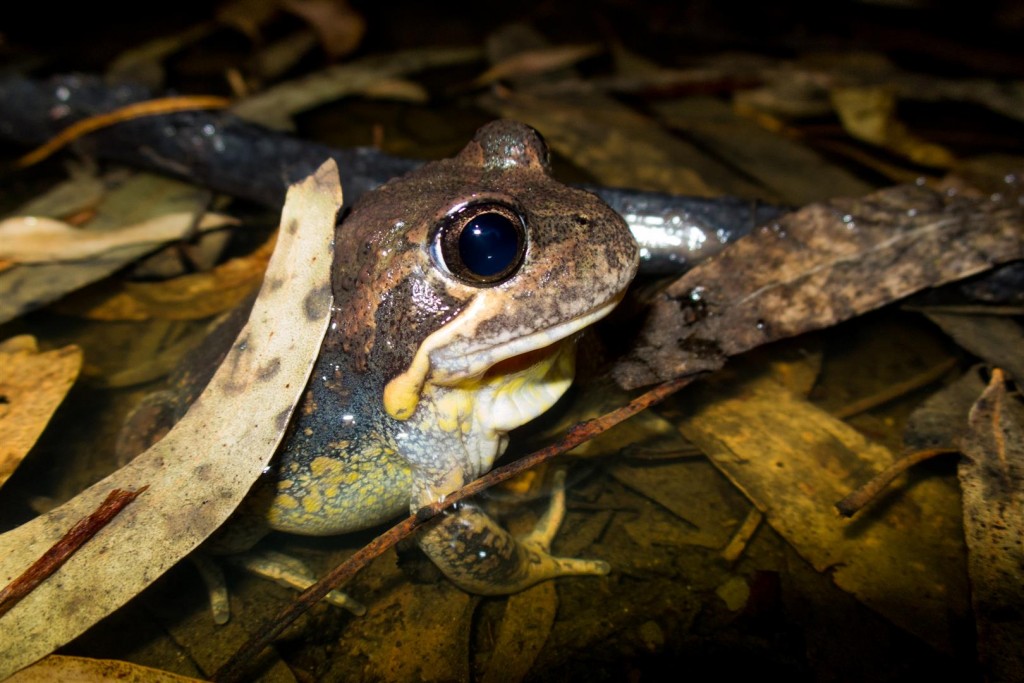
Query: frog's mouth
542	360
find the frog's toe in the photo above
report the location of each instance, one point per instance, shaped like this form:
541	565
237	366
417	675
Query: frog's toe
574	566
290	572
216	586
539	540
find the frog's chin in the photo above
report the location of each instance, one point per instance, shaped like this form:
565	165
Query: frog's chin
520	388
480	411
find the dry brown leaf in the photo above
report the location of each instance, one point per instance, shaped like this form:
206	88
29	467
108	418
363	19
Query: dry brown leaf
616	145
339	27
398	89
533	62
188	297
248	16
62	669
32	385
992	481
869	114
145	63
197	474
780	165
998	340
34	239
82	192
275	106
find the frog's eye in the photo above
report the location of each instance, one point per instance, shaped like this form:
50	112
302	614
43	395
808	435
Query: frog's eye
482	244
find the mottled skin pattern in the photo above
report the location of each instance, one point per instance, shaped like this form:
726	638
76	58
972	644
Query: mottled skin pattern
422	374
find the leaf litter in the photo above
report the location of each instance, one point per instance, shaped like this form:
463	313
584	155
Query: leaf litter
186	501
32	384
597	136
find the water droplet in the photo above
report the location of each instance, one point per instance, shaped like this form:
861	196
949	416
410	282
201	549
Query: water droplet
1011	179
761	326
911	212
63	93
996	197
920	181
697	294
209	130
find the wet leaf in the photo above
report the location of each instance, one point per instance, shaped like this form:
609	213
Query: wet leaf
187	297
939	422
524	629
141	197
815	267
869	114
205	465
32	385
998	340
793	461
36	240
84	670
414	633
992	481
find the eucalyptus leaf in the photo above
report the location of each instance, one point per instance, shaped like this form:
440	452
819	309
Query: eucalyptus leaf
204	467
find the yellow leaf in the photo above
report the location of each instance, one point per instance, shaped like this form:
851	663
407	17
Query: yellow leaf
188	297
869	114
32	385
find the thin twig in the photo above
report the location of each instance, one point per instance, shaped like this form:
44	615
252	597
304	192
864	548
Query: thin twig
234	669
854	502
62	550
894	391
739	541
163	105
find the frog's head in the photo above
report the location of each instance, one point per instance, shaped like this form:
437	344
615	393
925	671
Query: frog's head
476	273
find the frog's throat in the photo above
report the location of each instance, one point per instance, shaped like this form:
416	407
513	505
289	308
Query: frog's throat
402	394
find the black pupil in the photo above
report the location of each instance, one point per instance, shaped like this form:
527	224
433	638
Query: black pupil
489	244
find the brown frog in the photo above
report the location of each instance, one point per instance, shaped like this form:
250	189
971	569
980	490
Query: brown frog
459	292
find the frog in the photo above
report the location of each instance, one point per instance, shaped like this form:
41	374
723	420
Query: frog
460	291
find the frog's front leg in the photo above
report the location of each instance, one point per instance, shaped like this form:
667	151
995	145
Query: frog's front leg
481	557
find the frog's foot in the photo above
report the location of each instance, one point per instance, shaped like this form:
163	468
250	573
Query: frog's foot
481	557
290	572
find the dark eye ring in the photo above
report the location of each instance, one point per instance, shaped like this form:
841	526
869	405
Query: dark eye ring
482	244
